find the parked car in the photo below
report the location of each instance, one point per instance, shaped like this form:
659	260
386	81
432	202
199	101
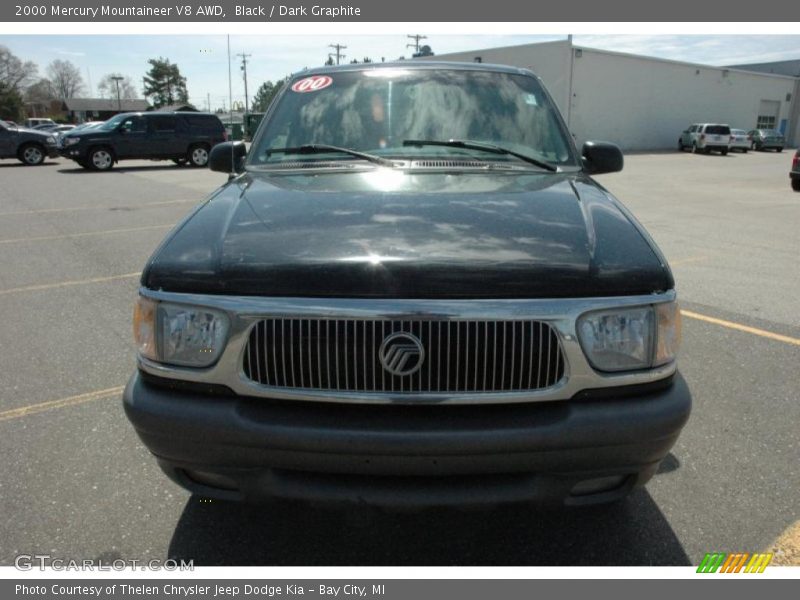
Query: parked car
27	145
705	138
739	140
179	136
31	123
795	173
411	292
766	139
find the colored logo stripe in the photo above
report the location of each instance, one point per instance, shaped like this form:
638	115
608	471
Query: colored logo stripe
734	563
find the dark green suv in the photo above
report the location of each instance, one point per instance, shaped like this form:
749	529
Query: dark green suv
183	137
29	146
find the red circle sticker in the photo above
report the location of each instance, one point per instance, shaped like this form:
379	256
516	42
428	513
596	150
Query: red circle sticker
312	84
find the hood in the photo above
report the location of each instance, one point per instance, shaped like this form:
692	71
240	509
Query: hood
397	234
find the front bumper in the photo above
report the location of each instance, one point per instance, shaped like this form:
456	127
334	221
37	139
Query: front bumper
234	447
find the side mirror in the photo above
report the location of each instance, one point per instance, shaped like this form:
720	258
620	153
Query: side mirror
227	157
601	157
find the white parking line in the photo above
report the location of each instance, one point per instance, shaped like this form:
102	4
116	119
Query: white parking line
65	236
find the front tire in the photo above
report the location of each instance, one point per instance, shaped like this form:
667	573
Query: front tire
779	149
680	146
101	159
31	155
695	149
724	152
198	155
796	185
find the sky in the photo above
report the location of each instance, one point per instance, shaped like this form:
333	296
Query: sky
203	59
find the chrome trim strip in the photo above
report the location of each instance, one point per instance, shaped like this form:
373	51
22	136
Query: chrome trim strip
560	314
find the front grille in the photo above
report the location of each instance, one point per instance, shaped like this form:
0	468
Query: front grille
459	356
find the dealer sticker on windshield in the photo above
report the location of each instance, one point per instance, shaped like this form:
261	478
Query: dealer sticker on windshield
312	84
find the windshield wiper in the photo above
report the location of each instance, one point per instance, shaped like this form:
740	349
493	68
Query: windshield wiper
470	145
322	148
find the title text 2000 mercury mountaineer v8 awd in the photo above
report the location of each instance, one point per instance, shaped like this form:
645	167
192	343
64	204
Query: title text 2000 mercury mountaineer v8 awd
411	293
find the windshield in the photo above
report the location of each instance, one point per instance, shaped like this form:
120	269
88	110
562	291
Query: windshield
113	122
376	110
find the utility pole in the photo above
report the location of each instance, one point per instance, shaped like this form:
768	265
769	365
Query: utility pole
416	39
117	79
244	74
208	101
339	54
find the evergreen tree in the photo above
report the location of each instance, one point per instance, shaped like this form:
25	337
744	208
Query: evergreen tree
164	83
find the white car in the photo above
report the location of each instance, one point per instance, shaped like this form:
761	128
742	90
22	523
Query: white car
705	138
739	140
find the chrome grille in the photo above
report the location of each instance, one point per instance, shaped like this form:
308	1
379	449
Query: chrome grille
460	356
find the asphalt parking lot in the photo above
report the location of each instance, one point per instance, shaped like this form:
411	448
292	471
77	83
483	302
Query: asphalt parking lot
76	483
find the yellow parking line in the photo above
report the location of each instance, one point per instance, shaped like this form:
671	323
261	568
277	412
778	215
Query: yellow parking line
65	236
685	261
40	211
739	327
48	286
32	409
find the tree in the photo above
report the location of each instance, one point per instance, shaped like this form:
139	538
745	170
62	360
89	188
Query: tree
164	83
266	92
423	51
11	103
108	87
15	73
329	62
65	78
41	91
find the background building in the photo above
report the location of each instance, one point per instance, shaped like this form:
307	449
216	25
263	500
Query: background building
643	103
79	110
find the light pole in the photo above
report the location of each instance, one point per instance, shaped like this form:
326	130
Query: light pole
117	79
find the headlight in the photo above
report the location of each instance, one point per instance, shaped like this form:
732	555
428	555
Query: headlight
50	139
179	334
71	141
628	339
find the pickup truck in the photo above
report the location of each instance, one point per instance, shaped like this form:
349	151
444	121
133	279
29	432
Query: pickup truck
410	292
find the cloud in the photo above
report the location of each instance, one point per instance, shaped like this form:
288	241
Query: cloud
64	52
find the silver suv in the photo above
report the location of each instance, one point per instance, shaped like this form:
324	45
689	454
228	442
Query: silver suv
705	138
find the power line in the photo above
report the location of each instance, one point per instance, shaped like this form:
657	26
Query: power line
338	54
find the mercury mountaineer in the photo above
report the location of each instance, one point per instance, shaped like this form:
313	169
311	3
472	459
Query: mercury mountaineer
409	292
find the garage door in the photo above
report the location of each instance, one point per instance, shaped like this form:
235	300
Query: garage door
768	111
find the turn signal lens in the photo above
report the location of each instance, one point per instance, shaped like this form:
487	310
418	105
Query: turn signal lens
144	327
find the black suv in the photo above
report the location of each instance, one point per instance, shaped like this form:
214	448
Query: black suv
183	137
29	146
410	292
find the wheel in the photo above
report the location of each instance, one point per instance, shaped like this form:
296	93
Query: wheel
695	149
724	152
779	149
744	150
680	145
101	159
796	185
198	155
31	154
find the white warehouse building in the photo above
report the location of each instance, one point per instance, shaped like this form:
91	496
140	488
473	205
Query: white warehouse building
643	103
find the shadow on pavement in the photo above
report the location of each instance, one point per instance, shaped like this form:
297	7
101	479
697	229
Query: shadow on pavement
631	532
78	170
16	163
